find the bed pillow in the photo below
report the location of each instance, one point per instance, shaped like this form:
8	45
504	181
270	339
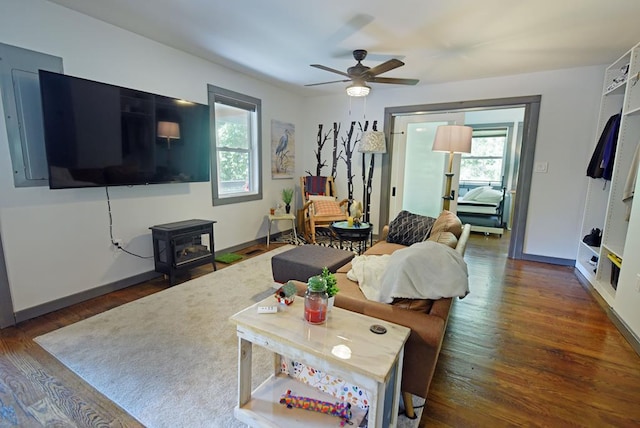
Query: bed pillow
489	195
408	228
471	194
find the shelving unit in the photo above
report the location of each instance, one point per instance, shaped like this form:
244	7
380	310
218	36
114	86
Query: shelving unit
604	208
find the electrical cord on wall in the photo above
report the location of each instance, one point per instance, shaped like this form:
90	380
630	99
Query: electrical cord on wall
113	241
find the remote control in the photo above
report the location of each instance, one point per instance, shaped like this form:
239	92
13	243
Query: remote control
267	309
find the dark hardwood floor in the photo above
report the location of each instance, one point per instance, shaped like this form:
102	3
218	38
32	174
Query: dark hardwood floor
529	346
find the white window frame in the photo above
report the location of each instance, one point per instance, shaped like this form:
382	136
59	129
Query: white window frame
254	106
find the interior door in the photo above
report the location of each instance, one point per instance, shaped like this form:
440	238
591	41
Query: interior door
417	172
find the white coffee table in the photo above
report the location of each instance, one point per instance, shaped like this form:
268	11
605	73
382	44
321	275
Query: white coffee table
344	347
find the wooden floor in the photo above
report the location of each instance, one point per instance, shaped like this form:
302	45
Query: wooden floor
529	346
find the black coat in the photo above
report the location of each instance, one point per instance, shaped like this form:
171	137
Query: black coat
601	163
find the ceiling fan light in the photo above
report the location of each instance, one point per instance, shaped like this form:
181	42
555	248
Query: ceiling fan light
358	90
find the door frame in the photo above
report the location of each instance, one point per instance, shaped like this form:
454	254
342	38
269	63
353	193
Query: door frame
531	105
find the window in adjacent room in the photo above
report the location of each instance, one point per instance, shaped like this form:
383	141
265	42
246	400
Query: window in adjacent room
485	163
236	155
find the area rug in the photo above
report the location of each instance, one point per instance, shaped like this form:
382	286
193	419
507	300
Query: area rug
170	359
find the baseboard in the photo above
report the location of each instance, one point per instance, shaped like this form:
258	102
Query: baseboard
628	334
55	305
622	326
64	302
550	260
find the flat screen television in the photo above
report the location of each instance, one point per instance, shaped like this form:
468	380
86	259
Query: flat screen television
98	134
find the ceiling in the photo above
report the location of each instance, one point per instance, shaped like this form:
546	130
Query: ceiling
440	41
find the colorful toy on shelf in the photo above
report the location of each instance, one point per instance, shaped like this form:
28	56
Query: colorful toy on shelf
341	410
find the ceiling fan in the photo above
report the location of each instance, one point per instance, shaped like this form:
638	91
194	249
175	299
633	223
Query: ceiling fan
360	74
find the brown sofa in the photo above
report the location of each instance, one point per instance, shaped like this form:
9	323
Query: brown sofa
427	319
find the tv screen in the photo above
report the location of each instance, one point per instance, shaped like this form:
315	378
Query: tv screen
98	134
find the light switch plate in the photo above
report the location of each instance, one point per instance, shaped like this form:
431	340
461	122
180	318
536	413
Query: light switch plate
541	167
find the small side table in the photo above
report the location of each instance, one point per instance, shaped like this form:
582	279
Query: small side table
359	234
278	217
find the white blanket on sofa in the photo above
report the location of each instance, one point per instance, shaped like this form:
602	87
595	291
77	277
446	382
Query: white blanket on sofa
426	270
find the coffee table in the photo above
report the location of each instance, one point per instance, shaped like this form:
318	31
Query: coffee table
353	233
344	347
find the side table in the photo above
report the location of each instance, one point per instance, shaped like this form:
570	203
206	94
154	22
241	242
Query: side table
343	346
278	217
359	234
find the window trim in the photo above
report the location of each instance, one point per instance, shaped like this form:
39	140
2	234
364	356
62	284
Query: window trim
506	158
245	102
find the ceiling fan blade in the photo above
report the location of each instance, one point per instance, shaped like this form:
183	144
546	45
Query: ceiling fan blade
332	70
384	67
393	80
325	83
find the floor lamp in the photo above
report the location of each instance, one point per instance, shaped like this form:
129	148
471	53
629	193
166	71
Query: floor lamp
451	139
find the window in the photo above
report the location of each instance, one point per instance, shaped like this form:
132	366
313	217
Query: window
236	154
485	163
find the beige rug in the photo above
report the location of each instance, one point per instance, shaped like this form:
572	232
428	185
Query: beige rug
170	359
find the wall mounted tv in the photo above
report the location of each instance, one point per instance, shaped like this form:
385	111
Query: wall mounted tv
104	135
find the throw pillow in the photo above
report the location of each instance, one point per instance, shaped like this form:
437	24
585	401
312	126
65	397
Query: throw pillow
321	198
408	228
326	208
447	222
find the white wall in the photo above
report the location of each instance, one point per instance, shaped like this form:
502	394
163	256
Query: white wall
56	242
566	137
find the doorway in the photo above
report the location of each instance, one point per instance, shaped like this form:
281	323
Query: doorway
398	124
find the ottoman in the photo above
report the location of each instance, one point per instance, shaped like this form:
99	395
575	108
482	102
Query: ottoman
303	262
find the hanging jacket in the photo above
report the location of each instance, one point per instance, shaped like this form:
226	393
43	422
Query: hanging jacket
601	163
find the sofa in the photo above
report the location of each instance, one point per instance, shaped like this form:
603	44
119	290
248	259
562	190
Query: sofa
427	319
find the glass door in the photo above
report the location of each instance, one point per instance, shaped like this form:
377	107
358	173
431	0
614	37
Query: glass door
417	172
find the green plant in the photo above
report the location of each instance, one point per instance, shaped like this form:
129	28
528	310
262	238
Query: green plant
287	195
330	278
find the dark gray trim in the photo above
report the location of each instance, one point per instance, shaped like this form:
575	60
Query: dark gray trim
55	305
532	112
523	187
550	260
246	102
6	304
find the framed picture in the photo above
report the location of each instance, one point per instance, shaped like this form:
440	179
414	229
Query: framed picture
283	149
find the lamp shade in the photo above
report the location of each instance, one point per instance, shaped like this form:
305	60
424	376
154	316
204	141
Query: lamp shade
373	142
453	139
168	130
358	90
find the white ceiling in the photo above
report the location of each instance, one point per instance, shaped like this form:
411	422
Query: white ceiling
439	40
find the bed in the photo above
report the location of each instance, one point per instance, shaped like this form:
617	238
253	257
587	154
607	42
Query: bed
483	207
